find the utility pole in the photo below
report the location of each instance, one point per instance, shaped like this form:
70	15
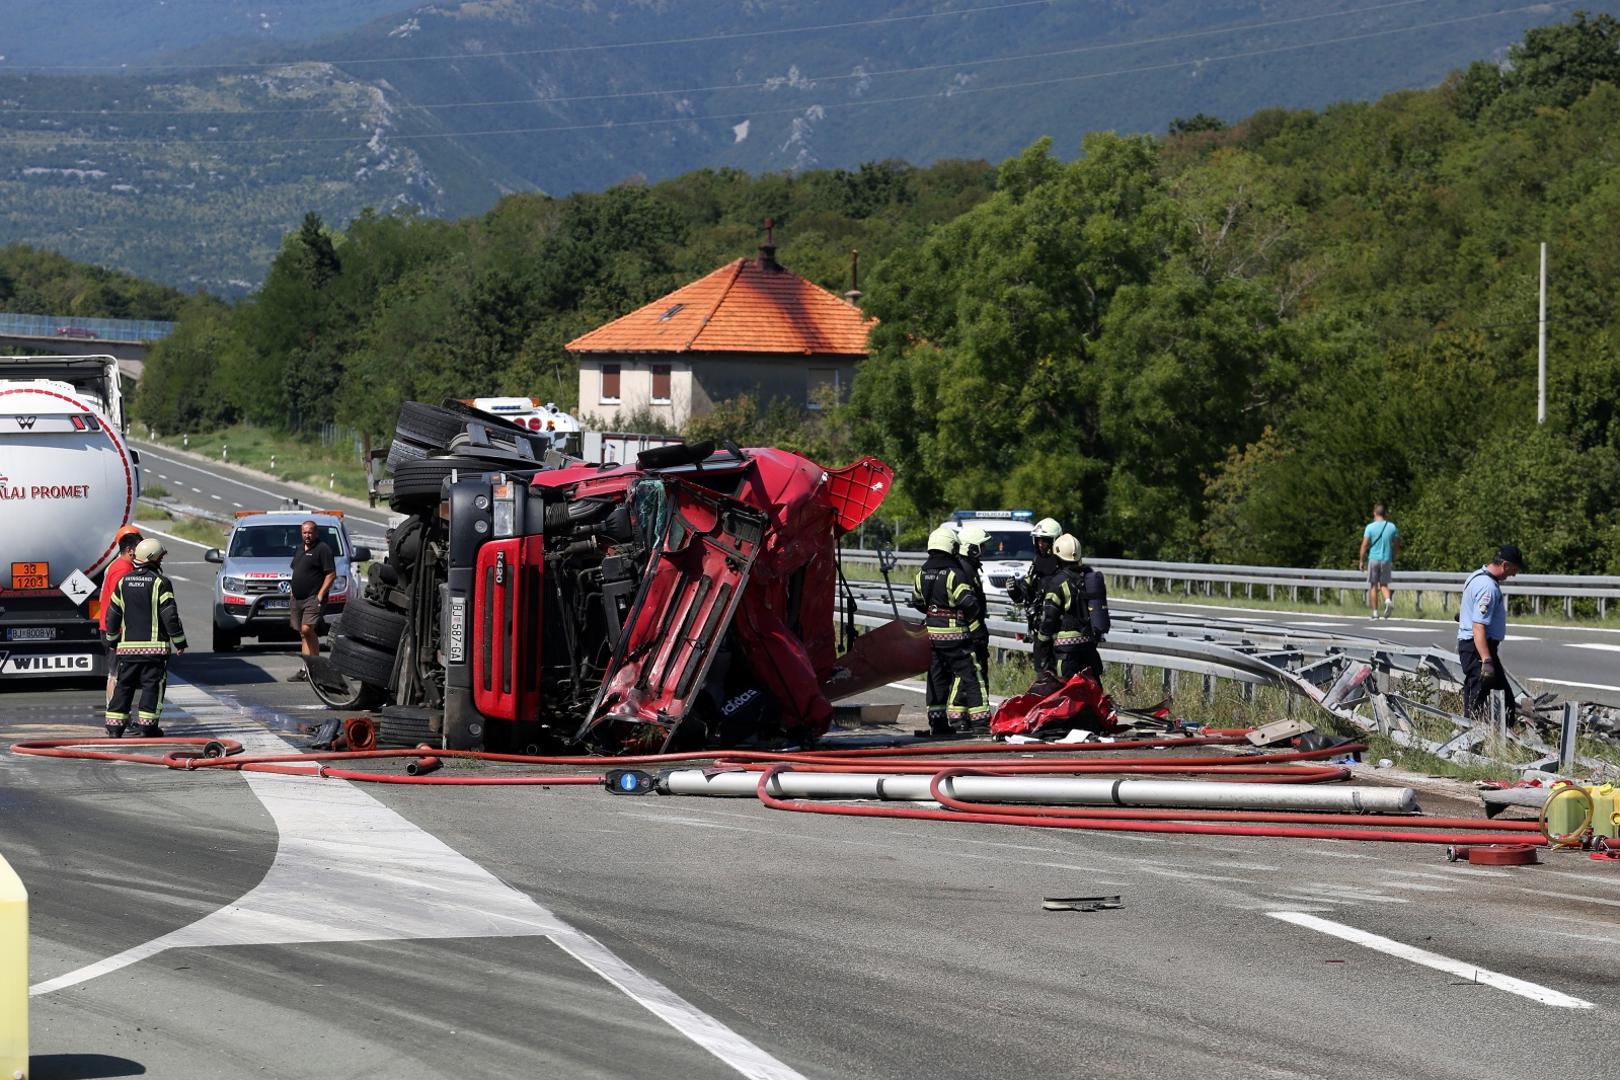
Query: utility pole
1541	344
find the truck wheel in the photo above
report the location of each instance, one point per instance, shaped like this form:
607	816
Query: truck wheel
371	624
401	451
227	640
417	483
405	545
357	660
427	425
356	695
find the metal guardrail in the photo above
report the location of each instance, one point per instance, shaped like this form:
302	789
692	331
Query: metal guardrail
1204	577
73	328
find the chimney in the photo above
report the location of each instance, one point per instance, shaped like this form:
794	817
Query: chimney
854	295
767	250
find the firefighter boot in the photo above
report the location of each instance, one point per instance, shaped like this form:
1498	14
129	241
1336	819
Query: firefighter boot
149	730
115	731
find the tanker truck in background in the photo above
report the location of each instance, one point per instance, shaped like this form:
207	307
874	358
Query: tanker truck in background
68	480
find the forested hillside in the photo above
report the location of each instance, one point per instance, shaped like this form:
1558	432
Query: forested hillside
35	282
1225	343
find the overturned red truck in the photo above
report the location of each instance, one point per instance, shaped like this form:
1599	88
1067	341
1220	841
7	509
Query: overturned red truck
529	603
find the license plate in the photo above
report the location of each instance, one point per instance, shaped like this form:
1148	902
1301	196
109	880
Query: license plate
278	603
31	633
30	575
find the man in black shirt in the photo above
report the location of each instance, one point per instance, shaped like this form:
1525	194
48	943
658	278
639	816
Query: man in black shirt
313	570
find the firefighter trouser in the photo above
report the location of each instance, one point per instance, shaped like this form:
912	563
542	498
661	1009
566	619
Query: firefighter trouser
981	656
953	686
1078	656
151	678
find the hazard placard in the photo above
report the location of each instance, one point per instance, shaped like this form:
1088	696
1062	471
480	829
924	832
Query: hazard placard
78	587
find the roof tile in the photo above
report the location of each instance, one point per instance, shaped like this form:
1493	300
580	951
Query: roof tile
743	306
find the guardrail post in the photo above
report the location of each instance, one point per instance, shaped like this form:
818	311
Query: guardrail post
1169	680
13	974
1569	607
1130	677
1569	738
1209	689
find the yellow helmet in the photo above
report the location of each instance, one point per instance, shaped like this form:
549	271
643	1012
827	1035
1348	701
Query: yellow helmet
1067	548
972	538
943	539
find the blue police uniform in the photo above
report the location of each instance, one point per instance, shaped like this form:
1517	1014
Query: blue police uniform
1482	602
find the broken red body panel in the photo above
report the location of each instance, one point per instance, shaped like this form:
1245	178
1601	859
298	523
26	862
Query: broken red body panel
1078	703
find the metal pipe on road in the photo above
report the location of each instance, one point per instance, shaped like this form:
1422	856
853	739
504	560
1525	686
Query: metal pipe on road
1049	791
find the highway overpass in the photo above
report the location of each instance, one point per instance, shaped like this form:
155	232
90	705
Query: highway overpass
126	339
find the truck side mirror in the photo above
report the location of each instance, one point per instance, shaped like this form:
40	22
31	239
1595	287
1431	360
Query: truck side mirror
214	555
362	554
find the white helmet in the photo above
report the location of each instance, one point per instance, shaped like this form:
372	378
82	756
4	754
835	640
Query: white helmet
149	551
1067	548
1048	529
943	539
972	538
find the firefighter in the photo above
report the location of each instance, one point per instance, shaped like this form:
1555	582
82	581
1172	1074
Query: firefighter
143	624
941	591
1029	590
1074	616
970	543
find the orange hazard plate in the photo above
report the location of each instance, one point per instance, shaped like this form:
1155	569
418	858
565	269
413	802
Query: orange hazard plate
30	575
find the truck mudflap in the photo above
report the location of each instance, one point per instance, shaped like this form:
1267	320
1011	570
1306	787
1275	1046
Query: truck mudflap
688	596
506	623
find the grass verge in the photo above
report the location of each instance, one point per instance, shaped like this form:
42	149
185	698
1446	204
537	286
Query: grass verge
299	457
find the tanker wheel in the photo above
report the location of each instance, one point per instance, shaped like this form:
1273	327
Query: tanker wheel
227	640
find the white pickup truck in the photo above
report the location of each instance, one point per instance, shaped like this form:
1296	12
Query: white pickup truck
68	481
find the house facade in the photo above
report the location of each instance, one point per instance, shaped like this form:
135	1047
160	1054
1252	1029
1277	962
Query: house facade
750	327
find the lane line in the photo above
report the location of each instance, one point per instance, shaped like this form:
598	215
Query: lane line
1533	991
1582	685
1592	645
147	530
348	868
198	490
250	487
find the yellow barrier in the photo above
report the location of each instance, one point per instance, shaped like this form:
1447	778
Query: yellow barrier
13	975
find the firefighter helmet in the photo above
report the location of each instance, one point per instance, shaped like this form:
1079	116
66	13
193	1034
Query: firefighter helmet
149	551
943	539
1048	529
972	538
1067	548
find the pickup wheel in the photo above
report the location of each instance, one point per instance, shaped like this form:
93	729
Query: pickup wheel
227	640
371	624
363	662
417	483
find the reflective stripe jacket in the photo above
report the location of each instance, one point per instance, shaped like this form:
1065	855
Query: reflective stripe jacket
1075	607
143	620
942	591
975	578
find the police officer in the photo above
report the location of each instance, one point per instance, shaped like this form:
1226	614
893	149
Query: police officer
970	544
1030	590
1481	626
1074	616
941	591
143	623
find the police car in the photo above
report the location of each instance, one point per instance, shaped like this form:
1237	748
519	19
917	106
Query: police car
1011	547
253	591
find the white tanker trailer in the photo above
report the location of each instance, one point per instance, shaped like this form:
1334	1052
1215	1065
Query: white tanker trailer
68	481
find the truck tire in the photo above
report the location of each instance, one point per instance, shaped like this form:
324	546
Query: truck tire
405	545
400	725
363	662
373	625
227	640
401	451
417	483
427	425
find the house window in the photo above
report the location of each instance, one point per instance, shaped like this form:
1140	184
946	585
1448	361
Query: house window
610	384
824	389
660	394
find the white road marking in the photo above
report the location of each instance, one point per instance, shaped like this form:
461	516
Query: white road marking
1582	685
177	577
237	505
147	530
1592	645
216	498
348	868
913	687
1521	637
198	490
1461	969
1417	886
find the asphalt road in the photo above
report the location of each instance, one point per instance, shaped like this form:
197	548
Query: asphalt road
196	925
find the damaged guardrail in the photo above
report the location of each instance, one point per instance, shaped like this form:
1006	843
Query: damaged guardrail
1379	686
1188	578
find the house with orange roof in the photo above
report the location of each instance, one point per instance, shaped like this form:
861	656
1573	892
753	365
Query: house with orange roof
750	327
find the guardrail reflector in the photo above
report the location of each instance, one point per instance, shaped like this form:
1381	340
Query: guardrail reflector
13	975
